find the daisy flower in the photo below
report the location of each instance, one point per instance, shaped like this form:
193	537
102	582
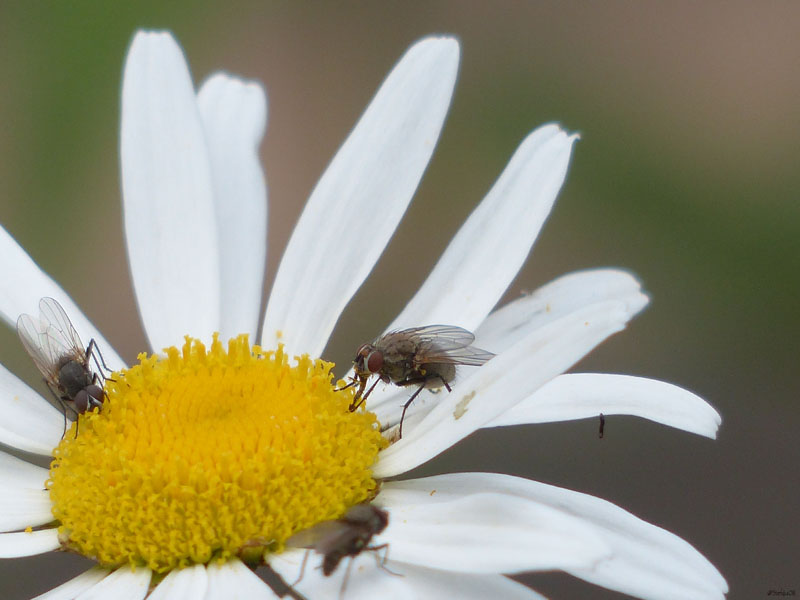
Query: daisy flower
210	454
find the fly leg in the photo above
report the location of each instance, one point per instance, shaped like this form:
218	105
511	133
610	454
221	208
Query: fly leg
93	351
359	399
424	380
381	558
302	569
274	580
346	576
347	385
360	396
63	406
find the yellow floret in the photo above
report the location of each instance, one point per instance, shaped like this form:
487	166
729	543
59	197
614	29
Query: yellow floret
206	454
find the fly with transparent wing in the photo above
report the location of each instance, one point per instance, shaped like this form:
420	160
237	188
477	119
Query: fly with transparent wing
423	356
58	353
337	539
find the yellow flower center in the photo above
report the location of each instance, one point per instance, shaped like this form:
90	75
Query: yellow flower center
209	454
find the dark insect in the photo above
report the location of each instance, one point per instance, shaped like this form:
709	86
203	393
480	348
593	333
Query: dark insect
423	356
601	431
349	536
58	353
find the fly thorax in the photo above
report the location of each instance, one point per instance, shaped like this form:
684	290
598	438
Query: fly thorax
73	377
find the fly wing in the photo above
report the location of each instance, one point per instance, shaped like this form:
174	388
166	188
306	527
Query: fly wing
447	335
60	331
470	356
340	540
36	342
318	536
447	344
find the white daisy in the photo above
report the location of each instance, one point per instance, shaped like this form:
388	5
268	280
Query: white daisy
202	457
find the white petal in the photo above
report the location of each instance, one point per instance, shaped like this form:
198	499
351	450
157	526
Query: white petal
431	584
360	198
398	580
232	580
182	584
496	239
19	473
167	189
73	587
360	576
647	561
501	383
21	508
561	296
122	584
586	395
22	543
484	532
29	422
288	564
234	115
24	284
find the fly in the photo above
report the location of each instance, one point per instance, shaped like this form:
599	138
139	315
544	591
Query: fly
337	539
58	353
422	356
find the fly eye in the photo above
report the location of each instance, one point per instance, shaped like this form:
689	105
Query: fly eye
375	361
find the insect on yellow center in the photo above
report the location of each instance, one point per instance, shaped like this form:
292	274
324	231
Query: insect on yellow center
205	454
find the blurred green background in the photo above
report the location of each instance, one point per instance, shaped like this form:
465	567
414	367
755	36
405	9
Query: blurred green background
686	174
